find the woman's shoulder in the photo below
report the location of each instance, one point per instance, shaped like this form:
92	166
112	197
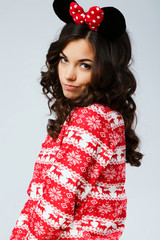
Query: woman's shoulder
99	110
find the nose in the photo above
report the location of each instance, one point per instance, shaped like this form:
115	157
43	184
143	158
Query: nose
70	73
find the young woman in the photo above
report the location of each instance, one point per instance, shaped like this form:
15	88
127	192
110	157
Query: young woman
77	190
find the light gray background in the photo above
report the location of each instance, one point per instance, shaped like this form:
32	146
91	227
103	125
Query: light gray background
27	27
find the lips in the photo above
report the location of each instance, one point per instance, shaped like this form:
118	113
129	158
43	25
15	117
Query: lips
70	87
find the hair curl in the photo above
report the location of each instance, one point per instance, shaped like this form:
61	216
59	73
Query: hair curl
112	83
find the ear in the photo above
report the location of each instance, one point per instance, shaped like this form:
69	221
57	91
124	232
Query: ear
113	25
61	8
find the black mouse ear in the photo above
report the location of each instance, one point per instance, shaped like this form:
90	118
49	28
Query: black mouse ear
61	8
113	25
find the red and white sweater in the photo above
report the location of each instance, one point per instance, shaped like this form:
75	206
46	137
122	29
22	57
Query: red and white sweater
77	190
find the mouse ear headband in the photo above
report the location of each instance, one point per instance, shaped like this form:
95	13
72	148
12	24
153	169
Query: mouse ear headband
107	21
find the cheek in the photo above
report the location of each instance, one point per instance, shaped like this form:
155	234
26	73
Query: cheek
85	83
86	79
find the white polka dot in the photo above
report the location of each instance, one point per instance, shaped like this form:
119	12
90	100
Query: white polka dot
92	12
89	23
98	17
102	13
73	12
97	8
94	21
81	21
79	10
88	16
75	6
71	7
76	17
83	15
93	27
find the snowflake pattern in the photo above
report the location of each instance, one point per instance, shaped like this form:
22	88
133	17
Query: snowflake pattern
121	173
110	173
105	208
92	172
74	158
38	228
120	208
55	193
93	122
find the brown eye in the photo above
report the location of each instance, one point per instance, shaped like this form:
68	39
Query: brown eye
63	59
86	66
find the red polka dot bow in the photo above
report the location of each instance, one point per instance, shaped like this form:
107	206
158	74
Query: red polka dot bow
92	18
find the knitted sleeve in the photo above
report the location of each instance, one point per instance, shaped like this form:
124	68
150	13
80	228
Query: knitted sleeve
83	149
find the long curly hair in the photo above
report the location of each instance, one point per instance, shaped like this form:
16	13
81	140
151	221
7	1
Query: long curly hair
112	83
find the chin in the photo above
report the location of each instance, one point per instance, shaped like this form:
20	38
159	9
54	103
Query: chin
71	96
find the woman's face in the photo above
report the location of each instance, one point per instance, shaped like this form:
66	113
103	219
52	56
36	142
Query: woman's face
75	67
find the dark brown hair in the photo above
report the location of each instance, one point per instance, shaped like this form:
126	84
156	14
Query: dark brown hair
112	83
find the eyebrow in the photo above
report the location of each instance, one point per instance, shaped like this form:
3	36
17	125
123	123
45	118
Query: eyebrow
81	60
